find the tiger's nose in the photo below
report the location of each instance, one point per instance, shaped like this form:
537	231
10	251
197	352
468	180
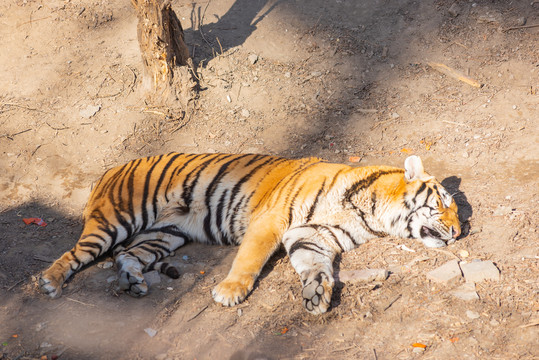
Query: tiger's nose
455	231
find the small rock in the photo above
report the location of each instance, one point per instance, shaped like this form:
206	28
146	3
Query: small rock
151	332
464	253
41	326
112	279
480	271
316	73
465	155
454	10
152	277
502	210
521	21
253	58
245	113
472	314
465	292
418	349
448	273
89	111
494	322
395	115
45	345
366	275
287	74
228	98
185	258
240	312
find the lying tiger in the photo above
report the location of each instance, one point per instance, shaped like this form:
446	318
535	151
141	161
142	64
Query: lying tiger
147	208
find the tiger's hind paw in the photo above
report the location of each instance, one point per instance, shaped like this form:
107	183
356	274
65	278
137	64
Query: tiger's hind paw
133	283
50	286
231	292
317	290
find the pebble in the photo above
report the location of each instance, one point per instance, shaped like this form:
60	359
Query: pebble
454	10
465	155
185	258
418	350
466	292
245	113
253	58
446	274
472	314
151	332
521	21
395	115
464	253
89	111
287	74
477	271
111	279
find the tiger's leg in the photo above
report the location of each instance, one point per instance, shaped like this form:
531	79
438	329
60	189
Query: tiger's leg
259	243
97	238
312	250
143	254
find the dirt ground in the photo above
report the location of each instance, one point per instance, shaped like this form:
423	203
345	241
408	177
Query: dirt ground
332	79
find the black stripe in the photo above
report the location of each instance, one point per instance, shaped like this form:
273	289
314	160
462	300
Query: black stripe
219	218
347	234
306	245
160	181
365	183
291	207
315	202
187	194
212	188
335	237
177	170
144	200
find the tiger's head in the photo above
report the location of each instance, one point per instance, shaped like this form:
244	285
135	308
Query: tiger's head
433	214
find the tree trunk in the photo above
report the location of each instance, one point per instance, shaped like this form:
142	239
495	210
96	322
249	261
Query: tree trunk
165	55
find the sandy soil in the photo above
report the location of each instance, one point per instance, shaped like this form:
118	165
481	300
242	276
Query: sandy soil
332	79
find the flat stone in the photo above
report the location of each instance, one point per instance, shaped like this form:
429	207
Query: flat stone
152	277
89	111
472	314
465	292
253	58
448	273
477	271
366	275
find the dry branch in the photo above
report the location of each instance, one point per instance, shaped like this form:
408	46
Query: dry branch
444	69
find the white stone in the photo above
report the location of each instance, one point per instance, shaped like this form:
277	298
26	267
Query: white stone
89	111
253	58
478	271
446	274
366	275
465	292
472	314
151	332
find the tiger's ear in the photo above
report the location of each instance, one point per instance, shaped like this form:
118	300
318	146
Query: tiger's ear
413	168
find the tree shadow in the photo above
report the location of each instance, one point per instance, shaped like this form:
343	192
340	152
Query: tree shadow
229	31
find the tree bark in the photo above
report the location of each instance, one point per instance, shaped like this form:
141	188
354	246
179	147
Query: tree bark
164	54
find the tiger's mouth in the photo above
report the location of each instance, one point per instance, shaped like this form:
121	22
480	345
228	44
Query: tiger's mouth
428	232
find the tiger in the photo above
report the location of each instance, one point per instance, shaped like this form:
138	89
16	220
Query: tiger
144	210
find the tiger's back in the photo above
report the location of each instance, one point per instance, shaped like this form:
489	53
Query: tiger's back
149	207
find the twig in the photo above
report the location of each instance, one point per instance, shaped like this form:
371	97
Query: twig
198	313
521	27
80	302
444	69
455	123
10	136
15	285
31	21
392	302
533	323
375	355
26	108
220	46
201	23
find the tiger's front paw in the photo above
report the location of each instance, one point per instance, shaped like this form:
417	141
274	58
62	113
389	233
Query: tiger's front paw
50	286
317	290
233	291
